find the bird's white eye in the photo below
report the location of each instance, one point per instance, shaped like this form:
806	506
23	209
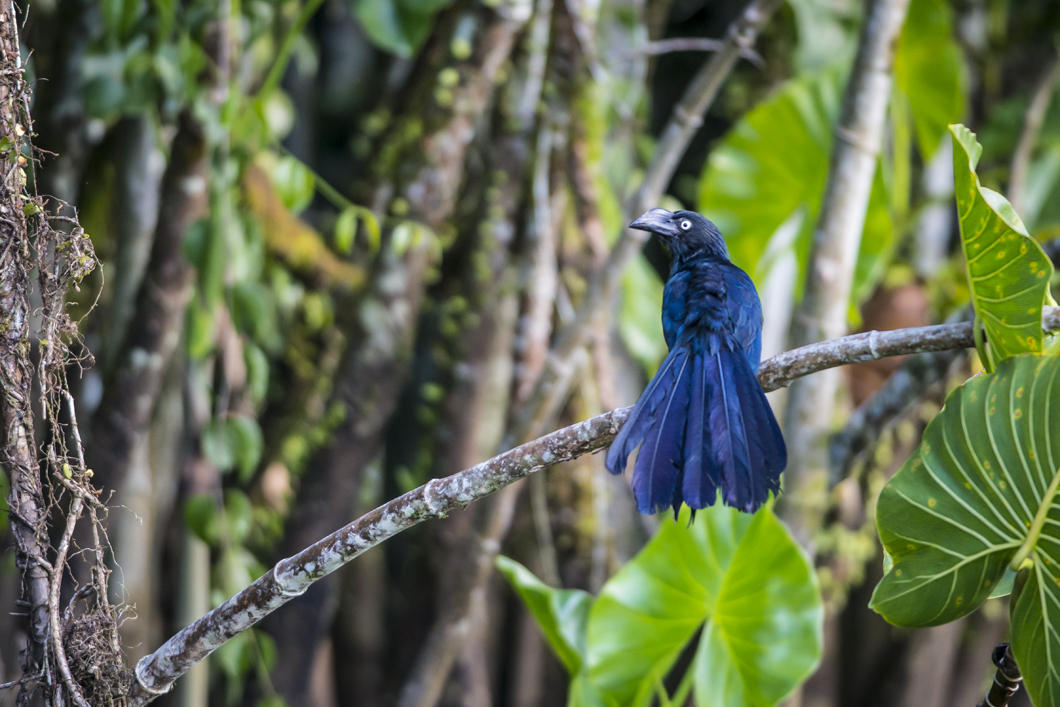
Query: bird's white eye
685	225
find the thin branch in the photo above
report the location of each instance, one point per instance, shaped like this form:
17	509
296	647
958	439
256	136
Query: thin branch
54	613
292	576
865	425
438	498
1032	125
697	44
1007	678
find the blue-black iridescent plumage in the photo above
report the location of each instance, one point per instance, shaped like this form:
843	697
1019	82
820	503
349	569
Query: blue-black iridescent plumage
703	423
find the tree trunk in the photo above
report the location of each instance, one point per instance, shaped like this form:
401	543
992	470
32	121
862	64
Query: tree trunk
28	508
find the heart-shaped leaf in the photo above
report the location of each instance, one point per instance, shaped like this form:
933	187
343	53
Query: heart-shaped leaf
1007	270
772	167
979	497
740	578
561	613
929	72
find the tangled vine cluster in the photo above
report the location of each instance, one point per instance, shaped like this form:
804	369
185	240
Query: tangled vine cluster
72	652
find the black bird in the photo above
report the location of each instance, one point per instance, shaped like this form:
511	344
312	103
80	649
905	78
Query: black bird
704	420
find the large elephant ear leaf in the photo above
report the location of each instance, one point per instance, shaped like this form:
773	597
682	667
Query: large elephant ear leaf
739	580
979	497
1007	270
561	613
769	172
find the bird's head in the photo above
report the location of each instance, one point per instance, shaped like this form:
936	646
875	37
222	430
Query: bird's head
686	232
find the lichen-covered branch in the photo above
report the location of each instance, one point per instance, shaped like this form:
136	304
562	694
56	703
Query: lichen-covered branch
437	498
292	576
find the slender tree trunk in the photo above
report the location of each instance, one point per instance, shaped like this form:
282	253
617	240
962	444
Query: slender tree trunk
58	99
129	398
27	505
823	311
426	179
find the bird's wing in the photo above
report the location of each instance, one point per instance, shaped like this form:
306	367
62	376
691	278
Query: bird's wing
744	311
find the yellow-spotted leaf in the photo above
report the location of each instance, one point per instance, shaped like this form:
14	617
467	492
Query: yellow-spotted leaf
978	498
1007	270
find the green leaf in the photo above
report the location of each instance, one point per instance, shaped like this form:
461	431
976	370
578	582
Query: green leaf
238	515
639	321
583	694
201	517
773	166
233	442
236	568
561	613
199	322
257	364
294	182
398	26
826	30
249	444
929	72
1007	271
218	445
978	497
742	579
253	311
345	230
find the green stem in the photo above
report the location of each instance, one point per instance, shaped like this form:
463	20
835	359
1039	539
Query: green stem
980	344
320	184
272	79
660	693
1036	527
685	686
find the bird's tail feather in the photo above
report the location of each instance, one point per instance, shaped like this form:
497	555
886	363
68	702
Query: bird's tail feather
644	413
748	449
705	425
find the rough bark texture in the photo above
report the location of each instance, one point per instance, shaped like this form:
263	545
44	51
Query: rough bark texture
18	457
823	312
125	411
426	177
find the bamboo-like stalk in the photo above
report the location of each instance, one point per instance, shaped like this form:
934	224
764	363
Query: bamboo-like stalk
823	312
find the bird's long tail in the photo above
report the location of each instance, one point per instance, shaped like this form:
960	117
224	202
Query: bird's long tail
706	426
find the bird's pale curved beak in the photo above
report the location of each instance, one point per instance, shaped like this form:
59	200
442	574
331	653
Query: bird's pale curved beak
658	221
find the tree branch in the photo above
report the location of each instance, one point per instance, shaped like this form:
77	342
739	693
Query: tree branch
1032	124
697	44
437	498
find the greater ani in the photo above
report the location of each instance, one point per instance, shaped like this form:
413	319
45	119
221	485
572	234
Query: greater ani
703	422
